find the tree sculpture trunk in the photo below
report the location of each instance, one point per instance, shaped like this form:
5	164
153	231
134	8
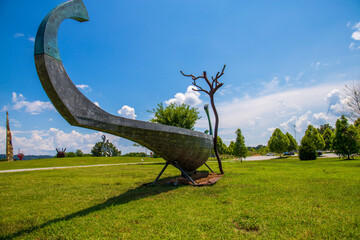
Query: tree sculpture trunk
214	86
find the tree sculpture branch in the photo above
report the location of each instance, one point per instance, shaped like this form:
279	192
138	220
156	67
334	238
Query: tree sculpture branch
214	85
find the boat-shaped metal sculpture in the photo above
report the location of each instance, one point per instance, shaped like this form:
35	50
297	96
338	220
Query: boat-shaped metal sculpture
183	148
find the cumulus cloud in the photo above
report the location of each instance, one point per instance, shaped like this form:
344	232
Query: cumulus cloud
127	112
44	142
190	97
337	103
35	107
289	107
300	123
356	35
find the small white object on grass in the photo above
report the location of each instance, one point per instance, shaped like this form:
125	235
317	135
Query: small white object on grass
142	160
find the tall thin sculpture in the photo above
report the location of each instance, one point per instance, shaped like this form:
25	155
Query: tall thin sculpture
9	146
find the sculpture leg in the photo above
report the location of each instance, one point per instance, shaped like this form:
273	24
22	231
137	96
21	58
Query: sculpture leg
209	168
175	164
162	171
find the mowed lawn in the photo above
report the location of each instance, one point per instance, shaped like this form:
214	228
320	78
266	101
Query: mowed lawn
274	199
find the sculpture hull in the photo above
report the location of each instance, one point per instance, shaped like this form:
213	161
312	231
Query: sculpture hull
190	149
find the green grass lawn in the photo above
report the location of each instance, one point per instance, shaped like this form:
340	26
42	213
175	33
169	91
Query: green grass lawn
274	199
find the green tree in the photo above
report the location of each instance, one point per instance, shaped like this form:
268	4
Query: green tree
176	115
292	142
230	148
346	140
307	149
278	142
357	123
98	149
240	150
328	137
222	148
79	153
323	127
316	137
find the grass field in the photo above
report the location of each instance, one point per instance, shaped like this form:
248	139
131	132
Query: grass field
274	199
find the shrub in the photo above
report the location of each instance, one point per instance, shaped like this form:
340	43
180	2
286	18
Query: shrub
79	153
70	154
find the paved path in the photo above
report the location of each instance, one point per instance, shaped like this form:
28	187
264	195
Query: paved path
83	166
253	158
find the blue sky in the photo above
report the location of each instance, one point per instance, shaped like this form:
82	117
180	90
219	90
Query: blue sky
287	64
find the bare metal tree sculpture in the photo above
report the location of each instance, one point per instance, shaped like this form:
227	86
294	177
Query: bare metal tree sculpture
214	86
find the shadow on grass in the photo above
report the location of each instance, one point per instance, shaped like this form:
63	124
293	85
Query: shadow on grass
143	191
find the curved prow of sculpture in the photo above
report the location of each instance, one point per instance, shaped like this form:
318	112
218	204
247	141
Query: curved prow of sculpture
189	149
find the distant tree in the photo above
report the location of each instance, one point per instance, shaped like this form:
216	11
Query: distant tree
328	137
292	142
307	149
230	148
346	140
221	146
97	150
352	92
79	153
70	154
264	150
323	127
135	154
178	115
240	150
316	137
278	142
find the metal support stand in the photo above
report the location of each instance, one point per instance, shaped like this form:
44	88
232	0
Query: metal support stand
175	164
162	171
209	168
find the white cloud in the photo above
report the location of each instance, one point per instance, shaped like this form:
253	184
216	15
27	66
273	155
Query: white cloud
288	107
352	46
190	97
287	79
357	26
17	35
127	112
356	35
84	87
321	118
97	104
31	39
44	142
272	86
34	107
337	103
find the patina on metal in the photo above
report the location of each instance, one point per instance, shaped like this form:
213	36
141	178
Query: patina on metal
206	108
179	147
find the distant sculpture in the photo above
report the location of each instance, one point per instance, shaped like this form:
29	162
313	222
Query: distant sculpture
20	155
9	146
106	150
60	153
185	149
